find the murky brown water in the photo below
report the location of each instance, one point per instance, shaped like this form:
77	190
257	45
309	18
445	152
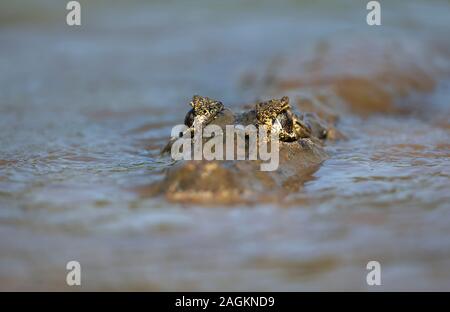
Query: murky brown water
83	113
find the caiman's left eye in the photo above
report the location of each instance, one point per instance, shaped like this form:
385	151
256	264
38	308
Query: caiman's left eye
189	119
284	121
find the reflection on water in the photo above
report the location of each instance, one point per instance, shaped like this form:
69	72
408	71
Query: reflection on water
85	112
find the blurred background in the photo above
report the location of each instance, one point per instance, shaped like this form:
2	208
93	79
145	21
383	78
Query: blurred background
85	109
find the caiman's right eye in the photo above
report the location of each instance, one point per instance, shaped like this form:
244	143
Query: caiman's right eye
189	119
285	121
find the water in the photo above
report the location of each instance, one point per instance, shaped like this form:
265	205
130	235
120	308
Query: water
84	112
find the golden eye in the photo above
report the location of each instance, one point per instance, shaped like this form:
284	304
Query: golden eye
284	121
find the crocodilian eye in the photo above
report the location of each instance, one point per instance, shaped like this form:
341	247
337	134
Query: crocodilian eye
284	121
189	119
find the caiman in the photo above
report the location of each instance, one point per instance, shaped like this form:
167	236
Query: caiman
301	140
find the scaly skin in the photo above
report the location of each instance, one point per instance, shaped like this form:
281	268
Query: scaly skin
204	111
242	181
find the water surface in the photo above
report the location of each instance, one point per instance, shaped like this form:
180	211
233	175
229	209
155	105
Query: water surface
84	112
